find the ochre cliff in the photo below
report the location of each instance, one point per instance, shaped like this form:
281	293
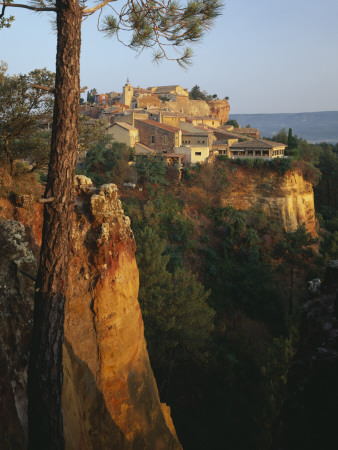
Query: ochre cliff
286	198
220	109
216	108
110	398
105	345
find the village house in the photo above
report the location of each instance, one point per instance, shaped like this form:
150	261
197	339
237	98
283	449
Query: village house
101	99
170	93
195	146
257	148
167	117
205	120
124	132
222	147
222	134
159	136
130	115
176	159
252	132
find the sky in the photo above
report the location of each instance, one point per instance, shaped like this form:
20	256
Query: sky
267	56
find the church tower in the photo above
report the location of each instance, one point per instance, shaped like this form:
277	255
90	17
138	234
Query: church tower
128	93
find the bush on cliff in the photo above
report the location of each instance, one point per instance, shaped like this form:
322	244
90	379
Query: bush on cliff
109	164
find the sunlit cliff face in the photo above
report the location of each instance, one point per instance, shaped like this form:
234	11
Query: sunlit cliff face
106	359
286	198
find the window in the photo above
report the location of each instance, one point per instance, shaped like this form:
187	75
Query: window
165	139
152	139
198	153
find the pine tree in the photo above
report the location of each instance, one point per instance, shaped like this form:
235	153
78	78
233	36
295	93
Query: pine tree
294	249
152	24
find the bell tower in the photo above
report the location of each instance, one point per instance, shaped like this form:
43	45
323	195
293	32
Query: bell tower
128	93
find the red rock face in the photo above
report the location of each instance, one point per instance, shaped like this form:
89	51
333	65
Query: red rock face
220	109
105	352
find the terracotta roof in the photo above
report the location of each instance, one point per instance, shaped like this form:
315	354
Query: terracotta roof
192	133
206	128
232	135
245	130
173	155
257	143
204	118
164	88
125	125
173	114
148	149
161	125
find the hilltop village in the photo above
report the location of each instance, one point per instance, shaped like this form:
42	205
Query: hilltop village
164	120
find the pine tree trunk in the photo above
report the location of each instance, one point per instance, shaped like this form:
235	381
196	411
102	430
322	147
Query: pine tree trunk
45	374
9	157
291	289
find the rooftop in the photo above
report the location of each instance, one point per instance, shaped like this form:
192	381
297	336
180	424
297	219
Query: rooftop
258	143
125	125
161	125
194	133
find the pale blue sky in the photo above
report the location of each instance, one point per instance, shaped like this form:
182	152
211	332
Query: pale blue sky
266	55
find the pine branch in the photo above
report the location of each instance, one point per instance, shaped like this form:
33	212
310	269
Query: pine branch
32	8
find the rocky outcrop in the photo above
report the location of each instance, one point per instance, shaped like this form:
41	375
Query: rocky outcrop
191	107
110	398
220	109
105	345
286	198
310	414
16	317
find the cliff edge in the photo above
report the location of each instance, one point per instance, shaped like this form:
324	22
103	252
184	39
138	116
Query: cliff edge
286	198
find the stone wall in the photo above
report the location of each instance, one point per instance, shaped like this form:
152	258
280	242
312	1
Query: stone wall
217	108
191	107
163	139
149	100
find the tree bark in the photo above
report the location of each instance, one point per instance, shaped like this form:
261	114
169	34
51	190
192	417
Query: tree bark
9	157
291	289
45	373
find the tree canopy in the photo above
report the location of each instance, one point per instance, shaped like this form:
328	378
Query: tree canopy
22	107
197	94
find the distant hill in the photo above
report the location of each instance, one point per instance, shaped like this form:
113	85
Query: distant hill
314	127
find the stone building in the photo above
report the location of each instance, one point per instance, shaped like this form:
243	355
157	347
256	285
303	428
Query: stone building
158	136
252	132
127	95
171	93
257	148
101	99
124	132
222	147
